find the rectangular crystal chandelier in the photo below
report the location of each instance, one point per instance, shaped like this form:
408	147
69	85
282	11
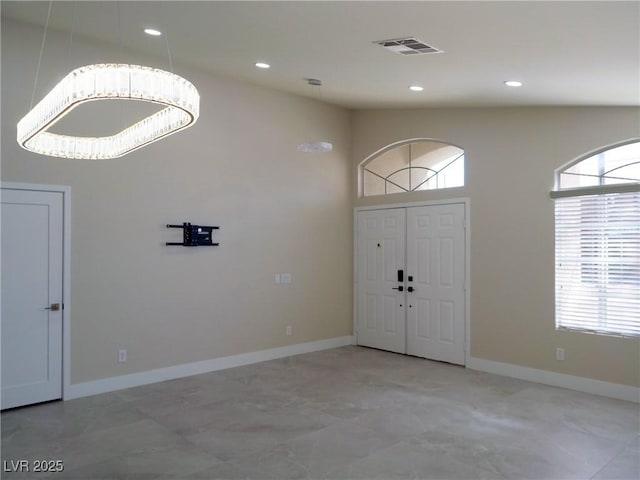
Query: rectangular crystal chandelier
110	82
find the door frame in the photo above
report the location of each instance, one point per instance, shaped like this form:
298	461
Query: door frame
66	270
467	267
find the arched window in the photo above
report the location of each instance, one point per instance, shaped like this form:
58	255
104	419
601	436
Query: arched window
618	165
597	214
412	165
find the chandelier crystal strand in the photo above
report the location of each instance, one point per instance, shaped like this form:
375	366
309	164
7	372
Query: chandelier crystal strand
103	82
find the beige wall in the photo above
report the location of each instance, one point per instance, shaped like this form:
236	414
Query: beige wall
282	211
238	167
511	156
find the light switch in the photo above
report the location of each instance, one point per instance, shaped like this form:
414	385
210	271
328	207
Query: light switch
285	278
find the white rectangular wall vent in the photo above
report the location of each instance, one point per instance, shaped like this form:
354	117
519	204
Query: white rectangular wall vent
407	46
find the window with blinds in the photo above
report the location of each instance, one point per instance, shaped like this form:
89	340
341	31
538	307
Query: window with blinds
598	263
598	243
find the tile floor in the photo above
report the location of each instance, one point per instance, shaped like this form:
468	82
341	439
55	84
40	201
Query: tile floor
346	413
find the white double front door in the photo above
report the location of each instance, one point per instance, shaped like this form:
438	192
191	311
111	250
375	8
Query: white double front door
410	281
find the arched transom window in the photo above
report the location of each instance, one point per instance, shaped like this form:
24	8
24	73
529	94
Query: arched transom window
413	166
609	167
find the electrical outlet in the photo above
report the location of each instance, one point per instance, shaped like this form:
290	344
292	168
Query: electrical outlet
289	330
122	356
560	354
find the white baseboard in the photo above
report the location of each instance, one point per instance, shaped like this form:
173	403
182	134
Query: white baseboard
581	384
185	370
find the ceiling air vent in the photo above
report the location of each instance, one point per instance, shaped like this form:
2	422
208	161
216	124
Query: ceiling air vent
407	46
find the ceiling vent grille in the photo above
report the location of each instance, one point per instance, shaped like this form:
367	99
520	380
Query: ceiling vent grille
407	46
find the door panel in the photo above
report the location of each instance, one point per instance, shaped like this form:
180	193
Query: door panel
31	281
436	260
446	316
380	254
423	315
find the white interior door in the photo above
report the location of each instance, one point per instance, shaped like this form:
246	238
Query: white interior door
380	254
436	267
32	250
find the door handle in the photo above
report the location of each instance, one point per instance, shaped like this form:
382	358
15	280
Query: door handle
409	289
400	288
54	307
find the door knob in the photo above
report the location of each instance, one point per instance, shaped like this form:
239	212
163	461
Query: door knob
54	307
400	288
409	289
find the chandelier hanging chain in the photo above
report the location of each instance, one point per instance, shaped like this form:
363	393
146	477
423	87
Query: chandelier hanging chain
71	30
123	116
44	39
166	36
166	41
119	20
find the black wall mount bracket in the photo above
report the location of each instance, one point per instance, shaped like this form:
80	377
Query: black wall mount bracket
195	235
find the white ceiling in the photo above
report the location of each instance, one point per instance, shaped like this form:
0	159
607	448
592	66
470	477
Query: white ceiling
566	53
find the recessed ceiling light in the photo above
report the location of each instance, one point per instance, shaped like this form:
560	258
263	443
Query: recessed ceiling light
416	88
152	31
513	83
263	65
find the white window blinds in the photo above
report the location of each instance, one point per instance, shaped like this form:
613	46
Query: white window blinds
598	263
